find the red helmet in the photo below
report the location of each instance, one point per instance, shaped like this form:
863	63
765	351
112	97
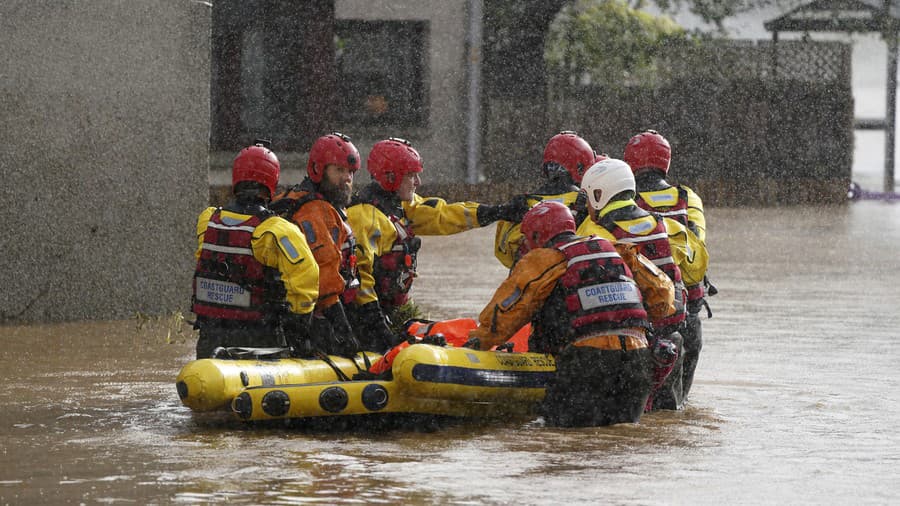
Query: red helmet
392	159
648	149
571	152
544	222
332	149
256	163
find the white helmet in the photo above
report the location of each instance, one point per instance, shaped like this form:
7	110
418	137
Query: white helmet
610	177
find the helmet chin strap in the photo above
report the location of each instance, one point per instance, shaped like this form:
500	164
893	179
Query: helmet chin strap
651	179
248	192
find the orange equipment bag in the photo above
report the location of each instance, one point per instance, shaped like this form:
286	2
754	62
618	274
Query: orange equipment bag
455	333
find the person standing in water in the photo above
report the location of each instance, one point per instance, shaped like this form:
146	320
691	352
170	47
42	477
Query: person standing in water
649	156
590	307
387	217
256	281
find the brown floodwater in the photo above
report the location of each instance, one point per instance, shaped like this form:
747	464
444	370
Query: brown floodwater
793	403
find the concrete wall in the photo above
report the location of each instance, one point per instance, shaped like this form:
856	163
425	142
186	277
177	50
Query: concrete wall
104	123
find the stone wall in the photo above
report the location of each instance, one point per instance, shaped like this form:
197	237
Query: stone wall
105	131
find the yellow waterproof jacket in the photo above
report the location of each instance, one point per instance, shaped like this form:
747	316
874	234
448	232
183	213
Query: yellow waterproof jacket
695	214
278	243
508	238
435	216
688	251
376	233
668	198
532	279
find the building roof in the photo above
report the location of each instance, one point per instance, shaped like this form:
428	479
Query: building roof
838	16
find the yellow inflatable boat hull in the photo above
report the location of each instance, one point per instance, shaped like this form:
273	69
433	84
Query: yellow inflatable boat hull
212	384
426	379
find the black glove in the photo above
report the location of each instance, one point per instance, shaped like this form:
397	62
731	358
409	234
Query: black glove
507	347
663	351
343	342
510	211
297	332
435	339
473	343
514	210
372	328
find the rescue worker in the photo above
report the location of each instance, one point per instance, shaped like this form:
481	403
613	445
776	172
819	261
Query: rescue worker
566	158
649	155
256	281
387	216
589	303
610	188
317	205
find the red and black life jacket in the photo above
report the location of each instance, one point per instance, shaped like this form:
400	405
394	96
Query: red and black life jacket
349	269
395	270
653	243
595	294
229	282
678	212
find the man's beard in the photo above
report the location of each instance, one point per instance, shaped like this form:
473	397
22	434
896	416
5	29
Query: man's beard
337	195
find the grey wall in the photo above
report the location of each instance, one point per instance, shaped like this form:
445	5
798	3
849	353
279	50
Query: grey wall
104	126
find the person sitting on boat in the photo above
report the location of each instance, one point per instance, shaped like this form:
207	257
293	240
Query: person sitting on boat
610	188
649	156
566	158
256	281
317	205
589	303
386	217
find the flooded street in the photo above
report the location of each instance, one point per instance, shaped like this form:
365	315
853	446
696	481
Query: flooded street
794	401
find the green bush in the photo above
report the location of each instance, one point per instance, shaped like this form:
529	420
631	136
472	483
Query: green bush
605	42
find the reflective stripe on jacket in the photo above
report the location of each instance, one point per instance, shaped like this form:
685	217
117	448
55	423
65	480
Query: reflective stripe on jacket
679	203
636	226
229	282
669	202
277	244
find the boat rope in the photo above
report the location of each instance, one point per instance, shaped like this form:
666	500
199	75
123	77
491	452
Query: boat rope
359	369
337	370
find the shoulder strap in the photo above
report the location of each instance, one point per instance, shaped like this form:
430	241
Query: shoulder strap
289	207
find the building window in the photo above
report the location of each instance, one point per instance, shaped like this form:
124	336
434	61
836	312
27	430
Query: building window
273	73
254	71
382	72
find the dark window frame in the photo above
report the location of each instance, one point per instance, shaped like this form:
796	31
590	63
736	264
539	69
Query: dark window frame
364	93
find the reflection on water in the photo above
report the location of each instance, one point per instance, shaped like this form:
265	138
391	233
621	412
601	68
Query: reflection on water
794	400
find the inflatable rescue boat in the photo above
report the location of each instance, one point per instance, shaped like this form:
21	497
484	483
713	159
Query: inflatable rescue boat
210	384
415	378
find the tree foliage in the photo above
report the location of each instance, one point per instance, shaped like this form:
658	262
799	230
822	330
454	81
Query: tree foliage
714	11
607	42
517	34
